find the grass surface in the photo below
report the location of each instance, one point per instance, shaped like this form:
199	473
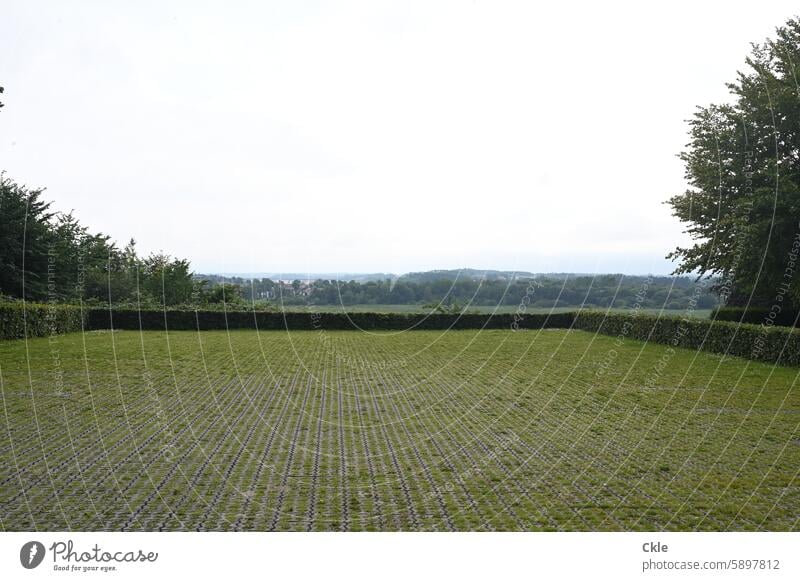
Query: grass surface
467	430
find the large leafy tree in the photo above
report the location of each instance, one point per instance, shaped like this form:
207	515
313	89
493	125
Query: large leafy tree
743	167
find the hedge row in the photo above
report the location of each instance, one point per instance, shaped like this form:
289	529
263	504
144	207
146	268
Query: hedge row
38	320
758	342
297	321
767	343
758	316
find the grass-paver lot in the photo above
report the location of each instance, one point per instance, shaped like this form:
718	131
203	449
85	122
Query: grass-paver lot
423	430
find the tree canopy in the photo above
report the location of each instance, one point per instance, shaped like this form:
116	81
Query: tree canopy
742	162
50	256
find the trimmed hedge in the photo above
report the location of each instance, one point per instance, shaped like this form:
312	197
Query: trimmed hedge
18	320
757	316
178	320
758	342
766	343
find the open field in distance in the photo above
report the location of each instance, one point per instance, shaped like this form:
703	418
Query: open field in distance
698	313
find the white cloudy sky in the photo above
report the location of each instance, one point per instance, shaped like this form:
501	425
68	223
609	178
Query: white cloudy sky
369	136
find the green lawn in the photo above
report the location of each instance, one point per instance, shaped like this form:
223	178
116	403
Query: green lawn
423	430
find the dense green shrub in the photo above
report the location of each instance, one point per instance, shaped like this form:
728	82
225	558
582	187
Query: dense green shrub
757	342
757	316
18	320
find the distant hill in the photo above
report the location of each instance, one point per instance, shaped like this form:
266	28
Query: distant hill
475	288
415	277
307	276
426	276
466	274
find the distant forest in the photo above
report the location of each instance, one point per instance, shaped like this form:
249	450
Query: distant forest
610	290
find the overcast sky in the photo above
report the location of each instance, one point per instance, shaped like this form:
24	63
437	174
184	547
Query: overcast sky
369	136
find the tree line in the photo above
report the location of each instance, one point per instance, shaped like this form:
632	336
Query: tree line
613	290
50	256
